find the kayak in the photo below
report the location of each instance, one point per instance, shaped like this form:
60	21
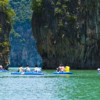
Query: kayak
2	70
27	73
62	73
99	72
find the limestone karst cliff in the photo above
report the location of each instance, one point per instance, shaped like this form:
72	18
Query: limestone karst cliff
67	32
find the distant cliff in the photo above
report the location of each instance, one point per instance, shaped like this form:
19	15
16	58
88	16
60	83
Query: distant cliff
67	32
23	45
6	15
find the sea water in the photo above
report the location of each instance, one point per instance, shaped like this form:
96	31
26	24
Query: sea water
81	85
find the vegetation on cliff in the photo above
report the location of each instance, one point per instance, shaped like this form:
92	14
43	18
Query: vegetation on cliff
6	20
23	45
22	10
7	10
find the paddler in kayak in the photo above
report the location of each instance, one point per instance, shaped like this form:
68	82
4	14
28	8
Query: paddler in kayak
98	69
27	69
36	69
20	69
61	68
7	66
1	67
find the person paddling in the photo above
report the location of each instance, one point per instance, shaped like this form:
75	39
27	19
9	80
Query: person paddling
20	69
27	69
1	68
98	69
62	68
59	68
36	69
7	66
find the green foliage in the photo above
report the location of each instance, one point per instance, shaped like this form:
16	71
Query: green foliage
5	44
4	7
37	6
14	34
58	3
72	19
64	6
22	40
4	3
52	3
10	13
17	35
22	9
60	24
66	0
58	11
0	29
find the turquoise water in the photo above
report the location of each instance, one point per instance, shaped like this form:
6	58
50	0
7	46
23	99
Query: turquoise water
82	85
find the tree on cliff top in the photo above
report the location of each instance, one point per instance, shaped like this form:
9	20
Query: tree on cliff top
4	7
37	6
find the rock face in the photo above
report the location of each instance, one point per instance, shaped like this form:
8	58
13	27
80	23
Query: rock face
4	39
5	27
53	31
23	45
90	24
67	32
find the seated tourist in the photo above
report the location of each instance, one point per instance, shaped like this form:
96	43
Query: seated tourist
98	69
1	67
27	69
36	69
62	68
20	69
7	66
59	69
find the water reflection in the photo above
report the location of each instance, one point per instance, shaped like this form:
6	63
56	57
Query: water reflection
35	76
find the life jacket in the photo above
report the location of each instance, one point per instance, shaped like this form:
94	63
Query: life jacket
67	69
21	69
62	68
